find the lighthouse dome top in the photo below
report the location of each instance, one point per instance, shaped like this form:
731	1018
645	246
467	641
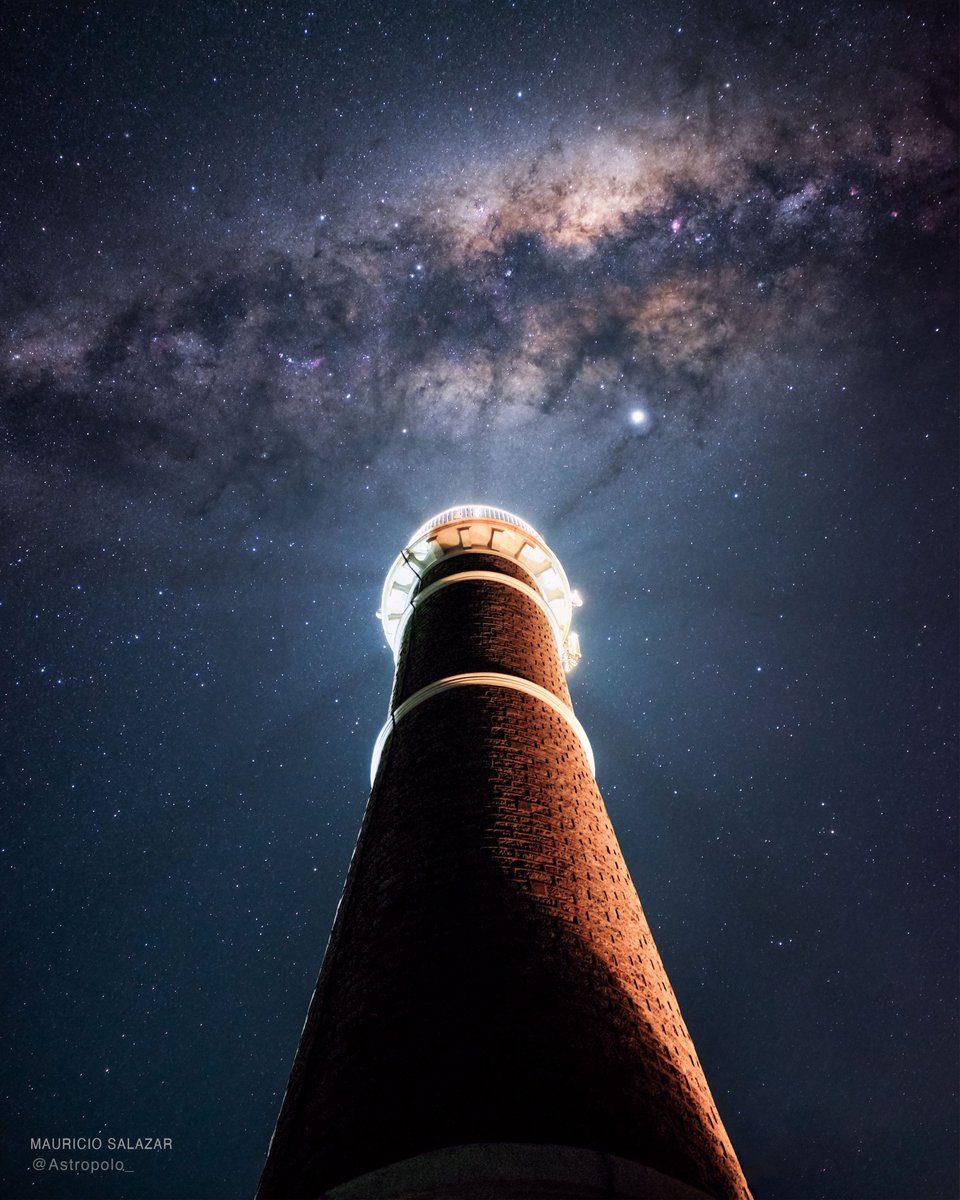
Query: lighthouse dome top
470	528
472	511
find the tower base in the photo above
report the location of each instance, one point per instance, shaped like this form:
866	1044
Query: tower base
509	1171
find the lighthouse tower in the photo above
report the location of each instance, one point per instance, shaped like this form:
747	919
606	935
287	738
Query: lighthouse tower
492	1018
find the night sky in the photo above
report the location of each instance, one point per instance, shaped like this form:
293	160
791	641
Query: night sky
676	283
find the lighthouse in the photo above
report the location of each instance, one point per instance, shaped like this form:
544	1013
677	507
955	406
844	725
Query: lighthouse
492	1018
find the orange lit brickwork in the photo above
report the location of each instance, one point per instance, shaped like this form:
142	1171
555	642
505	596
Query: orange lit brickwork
491	976
493	628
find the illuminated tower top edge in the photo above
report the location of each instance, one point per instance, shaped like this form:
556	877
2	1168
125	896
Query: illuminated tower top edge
479	528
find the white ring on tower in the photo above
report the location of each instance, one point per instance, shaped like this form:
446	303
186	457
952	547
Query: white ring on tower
491	679
487	577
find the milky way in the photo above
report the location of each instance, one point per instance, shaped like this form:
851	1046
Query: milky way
477	288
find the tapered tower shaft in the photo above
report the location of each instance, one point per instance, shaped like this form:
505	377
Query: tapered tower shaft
491	977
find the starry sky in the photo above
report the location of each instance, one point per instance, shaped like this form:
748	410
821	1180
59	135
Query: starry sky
676	282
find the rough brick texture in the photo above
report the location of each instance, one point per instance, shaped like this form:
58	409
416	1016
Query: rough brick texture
491	976
476	625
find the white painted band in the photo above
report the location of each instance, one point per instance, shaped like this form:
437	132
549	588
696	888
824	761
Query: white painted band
491	679
487	577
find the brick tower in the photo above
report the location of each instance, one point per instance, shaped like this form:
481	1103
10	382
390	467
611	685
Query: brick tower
492	1018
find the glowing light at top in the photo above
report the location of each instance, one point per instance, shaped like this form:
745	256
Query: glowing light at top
474	527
